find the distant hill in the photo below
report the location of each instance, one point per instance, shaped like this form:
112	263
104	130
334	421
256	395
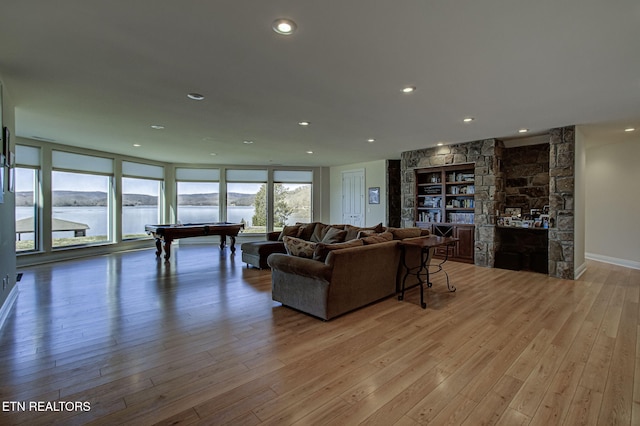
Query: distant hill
97	199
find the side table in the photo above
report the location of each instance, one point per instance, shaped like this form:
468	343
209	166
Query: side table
427	246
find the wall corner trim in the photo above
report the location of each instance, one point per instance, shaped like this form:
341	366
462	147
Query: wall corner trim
581	269
613	260
7	305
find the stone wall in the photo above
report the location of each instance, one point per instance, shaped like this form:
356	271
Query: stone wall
561	202
489	186
491	192
394	199
526	171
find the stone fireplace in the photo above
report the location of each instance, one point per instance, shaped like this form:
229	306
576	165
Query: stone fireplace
532	187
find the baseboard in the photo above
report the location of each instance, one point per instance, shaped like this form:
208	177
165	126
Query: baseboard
7	305
613	260
577	272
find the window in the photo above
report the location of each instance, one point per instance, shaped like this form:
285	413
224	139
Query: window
141	198
198	192
27	198
80	201
140	206
247	199
292	197
26	209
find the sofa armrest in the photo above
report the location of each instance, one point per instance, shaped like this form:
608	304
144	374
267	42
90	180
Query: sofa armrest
299	266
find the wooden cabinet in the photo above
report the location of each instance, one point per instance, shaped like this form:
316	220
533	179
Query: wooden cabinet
445	204
464	249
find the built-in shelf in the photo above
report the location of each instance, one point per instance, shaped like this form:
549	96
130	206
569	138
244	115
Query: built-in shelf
445	204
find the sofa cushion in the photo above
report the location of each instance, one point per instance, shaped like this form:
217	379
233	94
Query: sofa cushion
377	238
322	249
299	247
289	231
352	231
333	235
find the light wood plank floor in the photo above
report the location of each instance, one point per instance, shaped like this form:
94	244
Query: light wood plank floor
199	341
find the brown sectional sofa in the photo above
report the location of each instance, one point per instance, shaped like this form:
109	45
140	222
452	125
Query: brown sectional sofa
330	280
255	253
348	279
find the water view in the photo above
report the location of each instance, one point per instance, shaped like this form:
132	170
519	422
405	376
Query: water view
134	218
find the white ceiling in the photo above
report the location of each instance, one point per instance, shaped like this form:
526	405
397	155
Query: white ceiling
98	74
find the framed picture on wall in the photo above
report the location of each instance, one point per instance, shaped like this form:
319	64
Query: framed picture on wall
513	211
5	146
11	175
374	195
1	184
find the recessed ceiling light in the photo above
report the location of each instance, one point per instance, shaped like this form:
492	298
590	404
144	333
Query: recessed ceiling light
304	123
213	153
284	26
136	145
409	89
309	152
247	142
629	129
523	130
440	144
157	127
195	96
370	140
468	119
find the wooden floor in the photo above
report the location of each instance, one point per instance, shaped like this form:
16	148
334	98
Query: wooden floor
199	341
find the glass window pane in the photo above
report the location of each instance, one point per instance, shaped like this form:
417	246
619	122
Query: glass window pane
80	208
247	203
140	206
292	204
198	202
25	209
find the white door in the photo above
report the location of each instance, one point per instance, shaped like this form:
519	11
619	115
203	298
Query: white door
353	193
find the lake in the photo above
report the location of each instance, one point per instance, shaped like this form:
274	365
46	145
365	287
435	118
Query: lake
134	218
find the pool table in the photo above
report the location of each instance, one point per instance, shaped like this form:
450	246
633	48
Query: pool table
168	233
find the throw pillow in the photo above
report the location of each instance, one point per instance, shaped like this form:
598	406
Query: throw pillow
402	233
289	231
299	247
377	238
306	230
318	232
366	233
322	250
333	235
352	231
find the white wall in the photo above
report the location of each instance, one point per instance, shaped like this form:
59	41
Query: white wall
375	175
8	288
613	202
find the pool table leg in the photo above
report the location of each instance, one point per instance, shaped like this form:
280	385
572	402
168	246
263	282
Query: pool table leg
223	242
233	245
158	247
167	250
